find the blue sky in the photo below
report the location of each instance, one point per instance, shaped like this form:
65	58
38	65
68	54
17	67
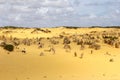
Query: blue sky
50	13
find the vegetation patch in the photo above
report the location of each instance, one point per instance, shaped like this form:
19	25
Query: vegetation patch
9	47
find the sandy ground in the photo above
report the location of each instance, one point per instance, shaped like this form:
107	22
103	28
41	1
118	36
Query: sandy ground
59	66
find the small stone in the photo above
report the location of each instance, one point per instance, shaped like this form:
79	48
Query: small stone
44	76
111	60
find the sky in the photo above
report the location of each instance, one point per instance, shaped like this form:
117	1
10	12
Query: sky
50	13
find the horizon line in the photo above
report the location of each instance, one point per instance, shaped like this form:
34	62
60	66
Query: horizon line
116	26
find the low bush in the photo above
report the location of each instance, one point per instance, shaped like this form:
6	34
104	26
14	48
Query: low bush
9	47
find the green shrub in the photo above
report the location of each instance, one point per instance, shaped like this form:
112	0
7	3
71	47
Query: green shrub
9	47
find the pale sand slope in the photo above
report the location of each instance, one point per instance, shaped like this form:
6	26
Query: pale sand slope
62	65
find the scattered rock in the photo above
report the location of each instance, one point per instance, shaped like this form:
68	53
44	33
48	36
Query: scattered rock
104	74
2	43
91	51
27	78
75	54
66	40
41	54
67	46
111	60
60	76
44	76
24	51
81	56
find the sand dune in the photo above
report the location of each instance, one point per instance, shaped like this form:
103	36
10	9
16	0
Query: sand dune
60	54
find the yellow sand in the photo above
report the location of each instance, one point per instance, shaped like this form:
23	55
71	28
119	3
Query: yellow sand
62	65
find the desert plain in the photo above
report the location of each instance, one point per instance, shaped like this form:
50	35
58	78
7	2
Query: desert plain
60	53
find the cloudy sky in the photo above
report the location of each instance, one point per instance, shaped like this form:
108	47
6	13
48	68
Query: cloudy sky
50	13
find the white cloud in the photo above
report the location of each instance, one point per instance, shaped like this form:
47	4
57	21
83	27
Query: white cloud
117	11
21	8
18	17
42	11
52	3
59	12
91	16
